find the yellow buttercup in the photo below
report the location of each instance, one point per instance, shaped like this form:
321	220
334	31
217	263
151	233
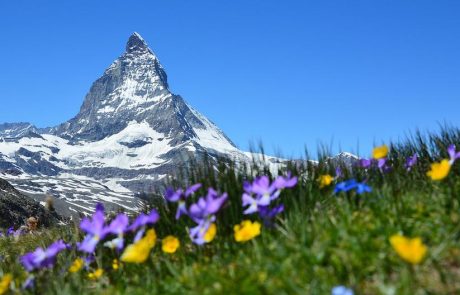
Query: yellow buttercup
411	250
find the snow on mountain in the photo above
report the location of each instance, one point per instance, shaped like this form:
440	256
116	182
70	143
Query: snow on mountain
130	132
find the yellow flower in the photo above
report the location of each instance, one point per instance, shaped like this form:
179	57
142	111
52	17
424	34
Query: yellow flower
246	231
115	264
380	152
439	170
325	180
210	233
170	244
77	265
139	251
410	250
5	283
96	274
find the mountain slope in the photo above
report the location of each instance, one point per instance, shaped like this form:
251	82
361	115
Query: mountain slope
130	132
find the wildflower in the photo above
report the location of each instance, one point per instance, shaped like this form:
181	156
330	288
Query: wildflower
282	182
204	214
210	233
453	154
10	231
411	162
341	290
118	227
41	258
142	221
95	275
246	231
29	282
267	214
115	264
380	152
261	192
365	163
95	229
350	185
140	250
170	244
77	265
440	170
410	250
180	197
325	180
206	208
5	283
338	172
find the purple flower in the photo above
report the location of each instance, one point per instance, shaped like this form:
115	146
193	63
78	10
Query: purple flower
352	184
261	192
383	166
285	182
29	282
411	162
117	227
142	221
453	154
203	212
338	173
341	290
42	258
198	232
180	196
10	231
207	207
267	214
365	163
95	229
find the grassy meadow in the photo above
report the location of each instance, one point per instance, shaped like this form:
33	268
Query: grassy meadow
322	239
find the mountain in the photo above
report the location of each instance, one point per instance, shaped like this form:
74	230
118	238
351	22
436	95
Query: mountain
130	133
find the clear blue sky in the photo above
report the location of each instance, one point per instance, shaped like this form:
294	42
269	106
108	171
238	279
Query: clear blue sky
289	73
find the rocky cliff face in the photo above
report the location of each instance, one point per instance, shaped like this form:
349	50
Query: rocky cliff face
15	208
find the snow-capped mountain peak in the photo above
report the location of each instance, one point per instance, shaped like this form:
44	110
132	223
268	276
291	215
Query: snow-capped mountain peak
137	44
130	132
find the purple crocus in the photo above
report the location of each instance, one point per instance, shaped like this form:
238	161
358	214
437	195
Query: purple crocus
117	227
180	196
42	258
411	162
142	221
95	229
453	154
352	184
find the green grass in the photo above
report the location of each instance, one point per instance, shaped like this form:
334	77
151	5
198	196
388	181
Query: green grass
320	241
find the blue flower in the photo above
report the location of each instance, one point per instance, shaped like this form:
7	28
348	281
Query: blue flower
352	184
341	290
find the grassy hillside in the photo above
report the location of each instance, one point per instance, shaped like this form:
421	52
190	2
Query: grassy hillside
322	239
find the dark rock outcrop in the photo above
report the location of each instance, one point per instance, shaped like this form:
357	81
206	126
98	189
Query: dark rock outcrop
15	208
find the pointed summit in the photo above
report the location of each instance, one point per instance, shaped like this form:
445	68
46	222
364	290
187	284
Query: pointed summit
136	43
